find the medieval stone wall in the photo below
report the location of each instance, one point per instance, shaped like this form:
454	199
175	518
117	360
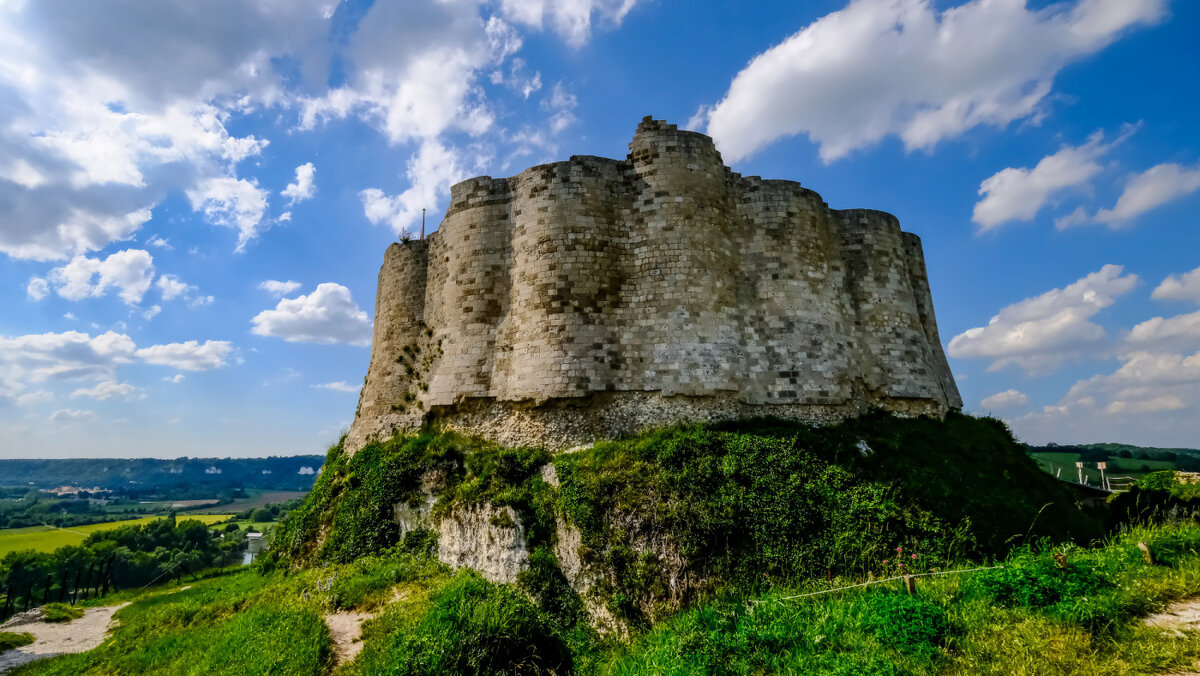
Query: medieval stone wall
594	297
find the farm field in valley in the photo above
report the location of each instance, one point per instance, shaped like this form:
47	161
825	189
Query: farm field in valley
47	539
253	500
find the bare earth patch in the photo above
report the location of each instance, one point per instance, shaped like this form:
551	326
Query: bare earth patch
1178	617
345	628
76	636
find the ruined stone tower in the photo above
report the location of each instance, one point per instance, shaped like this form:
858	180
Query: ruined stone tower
590	298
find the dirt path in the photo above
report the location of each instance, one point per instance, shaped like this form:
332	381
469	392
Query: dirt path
345	628
1178	617
75	636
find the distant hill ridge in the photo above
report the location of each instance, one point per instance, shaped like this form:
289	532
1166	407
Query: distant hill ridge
1112	448
149	475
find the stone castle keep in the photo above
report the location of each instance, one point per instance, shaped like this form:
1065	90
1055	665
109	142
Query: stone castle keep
595	297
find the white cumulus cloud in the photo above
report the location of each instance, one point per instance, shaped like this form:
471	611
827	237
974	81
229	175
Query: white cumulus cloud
431	172
1149	190
109	389
1005	399
1039	334
1018	194
68	416
339	386
277	288
130	272
233	203
327	315
304	187
172	287
903	67
190	355
572	19
1159	333
1178	287
37	288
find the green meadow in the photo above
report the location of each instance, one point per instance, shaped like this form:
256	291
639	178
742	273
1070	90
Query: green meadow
48	539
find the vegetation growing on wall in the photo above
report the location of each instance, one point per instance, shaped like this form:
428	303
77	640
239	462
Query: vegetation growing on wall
673	516
703	539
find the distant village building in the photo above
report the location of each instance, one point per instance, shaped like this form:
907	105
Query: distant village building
255	544
305	471
73	490
212	470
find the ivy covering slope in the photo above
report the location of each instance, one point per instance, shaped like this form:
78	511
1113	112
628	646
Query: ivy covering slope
668	517
701	540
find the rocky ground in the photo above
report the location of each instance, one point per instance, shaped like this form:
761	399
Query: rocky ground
53	639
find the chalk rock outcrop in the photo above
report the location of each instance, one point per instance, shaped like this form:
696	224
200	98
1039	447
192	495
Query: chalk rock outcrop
595	297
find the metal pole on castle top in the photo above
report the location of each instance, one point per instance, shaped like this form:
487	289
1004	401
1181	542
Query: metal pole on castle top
422	223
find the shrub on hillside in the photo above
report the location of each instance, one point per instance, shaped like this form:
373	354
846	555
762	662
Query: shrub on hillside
10	640
473	627
60	612
909	624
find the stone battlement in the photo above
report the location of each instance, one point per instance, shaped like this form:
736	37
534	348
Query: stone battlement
594	297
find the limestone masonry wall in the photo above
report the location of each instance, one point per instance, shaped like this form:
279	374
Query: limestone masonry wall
591	298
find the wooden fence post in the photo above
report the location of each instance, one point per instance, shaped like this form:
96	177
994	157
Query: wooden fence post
910	584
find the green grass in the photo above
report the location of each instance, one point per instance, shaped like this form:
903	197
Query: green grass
1028	618
60	612
47	539
470	626
246	622
10	640
698	539
234	624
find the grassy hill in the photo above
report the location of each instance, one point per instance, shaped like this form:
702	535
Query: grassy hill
687	550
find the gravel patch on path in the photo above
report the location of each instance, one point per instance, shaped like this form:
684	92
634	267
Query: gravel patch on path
345	628
51	639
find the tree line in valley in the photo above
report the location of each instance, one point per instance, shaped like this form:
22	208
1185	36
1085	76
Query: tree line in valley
119	558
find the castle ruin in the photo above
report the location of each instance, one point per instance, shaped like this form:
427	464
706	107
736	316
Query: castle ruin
591	298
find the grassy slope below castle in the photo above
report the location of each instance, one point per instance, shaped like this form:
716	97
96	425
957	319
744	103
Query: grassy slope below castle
695	536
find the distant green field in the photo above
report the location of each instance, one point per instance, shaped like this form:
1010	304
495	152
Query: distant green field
46	539
1054	462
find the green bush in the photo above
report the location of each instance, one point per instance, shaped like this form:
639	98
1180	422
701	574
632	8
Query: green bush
1039	583
741	507
10	640
909	624
472	627
60	612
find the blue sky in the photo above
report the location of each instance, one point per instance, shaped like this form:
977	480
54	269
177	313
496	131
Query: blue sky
195	197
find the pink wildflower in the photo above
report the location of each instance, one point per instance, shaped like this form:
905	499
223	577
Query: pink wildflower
901	564
914	556
885	562
899	549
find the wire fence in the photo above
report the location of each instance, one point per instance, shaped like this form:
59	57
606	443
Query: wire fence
868	583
